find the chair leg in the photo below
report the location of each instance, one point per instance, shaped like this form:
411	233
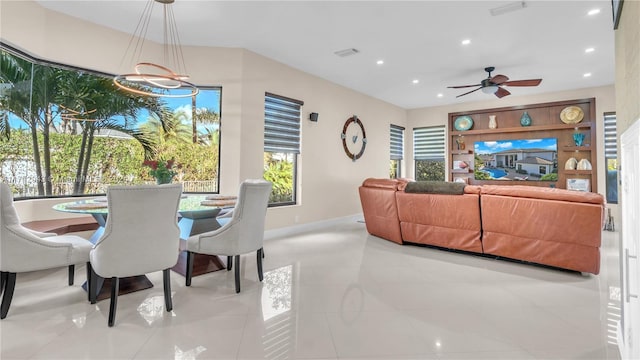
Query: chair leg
72	274
166	282
3	280
94	284
89	281
115	288
229	263
237	273
189	275
260	256
9	286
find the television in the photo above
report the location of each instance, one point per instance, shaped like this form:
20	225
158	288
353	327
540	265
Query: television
516	160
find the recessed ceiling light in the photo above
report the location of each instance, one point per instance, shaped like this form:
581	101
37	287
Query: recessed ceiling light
415	81
587	74
466	42
380	62
593	12
440	95
589	50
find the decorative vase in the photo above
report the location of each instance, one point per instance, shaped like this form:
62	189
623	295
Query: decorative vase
578	138
492	122
165	179
525	119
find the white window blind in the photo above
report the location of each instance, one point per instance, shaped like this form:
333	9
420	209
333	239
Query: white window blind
429	143
610	136
281	124
396	142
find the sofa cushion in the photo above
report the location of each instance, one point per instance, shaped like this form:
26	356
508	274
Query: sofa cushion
390	184
435	187
536	192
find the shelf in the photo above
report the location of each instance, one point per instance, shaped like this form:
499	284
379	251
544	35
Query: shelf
461	152
461	171
577	172
524	129
575	148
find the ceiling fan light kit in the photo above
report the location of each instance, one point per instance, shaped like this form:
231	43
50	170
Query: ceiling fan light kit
493	84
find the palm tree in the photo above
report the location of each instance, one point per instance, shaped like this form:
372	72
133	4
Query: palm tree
27	97
37	94
172	126
203	116
101	103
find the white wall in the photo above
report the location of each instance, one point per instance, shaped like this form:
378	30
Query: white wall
328	180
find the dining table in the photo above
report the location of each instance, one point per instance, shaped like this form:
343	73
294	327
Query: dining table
196	215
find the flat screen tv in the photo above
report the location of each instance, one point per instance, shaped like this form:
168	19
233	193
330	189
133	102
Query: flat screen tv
517	160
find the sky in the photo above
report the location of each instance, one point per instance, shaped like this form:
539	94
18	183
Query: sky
208	98
490	147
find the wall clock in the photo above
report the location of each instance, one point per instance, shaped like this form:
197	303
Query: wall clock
354	138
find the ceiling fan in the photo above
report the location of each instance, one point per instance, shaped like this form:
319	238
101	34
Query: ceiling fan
493	84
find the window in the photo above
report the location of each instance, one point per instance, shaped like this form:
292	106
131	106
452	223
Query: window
281	147
611	157
70	131
428	153
396	150
542	170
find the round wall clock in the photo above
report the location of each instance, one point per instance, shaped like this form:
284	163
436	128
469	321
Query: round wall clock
354	138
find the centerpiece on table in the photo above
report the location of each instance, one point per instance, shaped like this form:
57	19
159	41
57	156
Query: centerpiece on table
162	170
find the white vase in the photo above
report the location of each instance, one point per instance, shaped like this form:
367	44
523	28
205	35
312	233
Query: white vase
492	122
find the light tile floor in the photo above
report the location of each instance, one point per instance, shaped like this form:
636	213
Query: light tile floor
336	293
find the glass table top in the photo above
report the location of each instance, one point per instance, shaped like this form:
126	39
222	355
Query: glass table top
188	204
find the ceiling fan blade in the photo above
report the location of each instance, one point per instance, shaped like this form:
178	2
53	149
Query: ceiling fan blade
499	79
462	86
530	82
469	92
502	92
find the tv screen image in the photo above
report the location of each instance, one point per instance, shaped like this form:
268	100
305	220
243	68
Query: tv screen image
517	159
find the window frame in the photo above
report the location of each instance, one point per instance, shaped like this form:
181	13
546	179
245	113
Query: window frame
394	131
610	144
437	148
35	61
296	152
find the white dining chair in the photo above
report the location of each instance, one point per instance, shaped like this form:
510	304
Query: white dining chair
23	250
141	236
241	234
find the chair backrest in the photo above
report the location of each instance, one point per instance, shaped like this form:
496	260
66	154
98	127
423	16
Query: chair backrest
141	234
249	214
8	214
20	250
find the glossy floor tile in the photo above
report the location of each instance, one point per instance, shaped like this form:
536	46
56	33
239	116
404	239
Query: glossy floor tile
334	293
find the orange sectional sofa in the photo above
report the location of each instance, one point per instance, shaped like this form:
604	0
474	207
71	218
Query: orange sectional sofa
554	227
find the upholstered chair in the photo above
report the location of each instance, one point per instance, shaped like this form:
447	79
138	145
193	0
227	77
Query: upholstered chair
24	250
242	234
141	236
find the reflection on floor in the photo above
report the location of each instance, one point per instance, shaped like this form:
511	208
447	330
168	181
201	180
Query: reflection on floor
336	293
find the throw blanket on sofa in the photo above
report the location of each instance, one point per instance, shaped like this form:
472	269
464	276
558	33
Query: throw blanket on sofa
435	187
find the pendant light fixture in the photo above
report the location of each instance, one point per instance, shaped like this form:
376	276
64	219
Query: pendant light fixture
151	79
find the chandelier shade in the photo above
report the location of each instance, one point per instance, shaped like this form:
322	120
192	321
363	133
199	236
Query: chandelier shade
151	79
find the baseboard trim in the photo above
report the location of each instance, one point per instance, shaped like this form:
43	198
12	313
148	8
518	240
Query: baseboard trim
312	226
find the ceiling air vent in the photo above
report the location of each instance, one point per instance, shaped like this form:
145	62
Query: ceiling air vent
346	52
508	8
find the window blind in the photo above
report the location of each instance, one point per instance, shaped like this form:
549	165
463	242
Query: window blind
610	136
429	143
281	124
396	142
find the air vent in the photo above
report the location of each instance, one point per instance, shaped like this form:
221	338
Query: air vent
346	52
508	8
